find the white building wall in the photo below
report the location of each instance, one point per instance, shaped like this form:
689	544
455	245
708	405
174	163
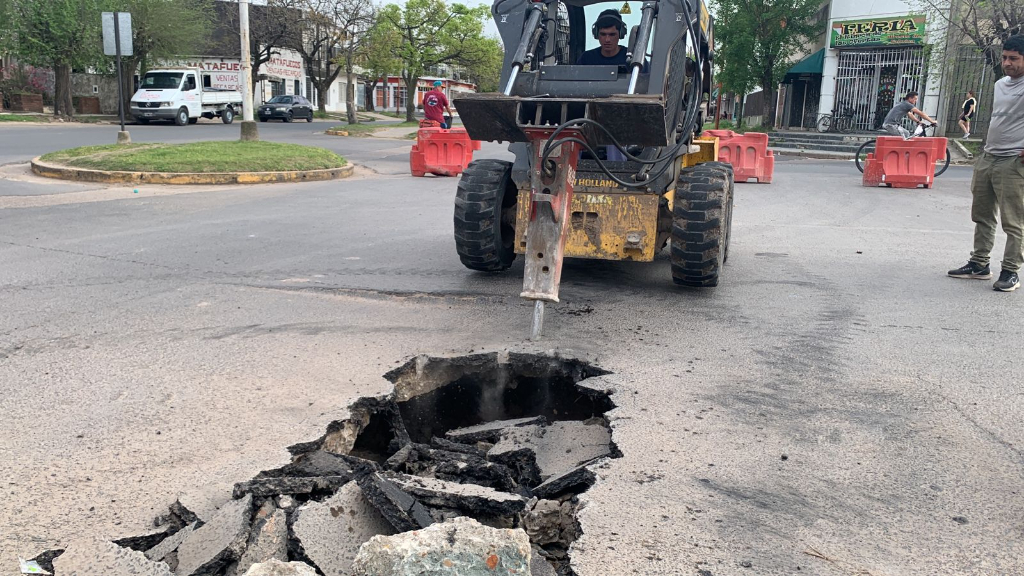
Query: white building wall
860	9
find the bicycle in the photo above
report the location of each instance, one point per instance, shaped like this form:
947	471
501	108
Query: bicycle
921	130
831	122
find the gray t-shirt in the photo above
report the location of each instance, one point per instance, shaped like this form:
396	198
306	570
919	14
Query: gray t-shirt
1006	131
895	116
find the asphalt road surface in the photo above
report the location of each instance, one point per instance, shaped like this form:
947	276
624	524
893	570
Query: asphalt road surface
837	406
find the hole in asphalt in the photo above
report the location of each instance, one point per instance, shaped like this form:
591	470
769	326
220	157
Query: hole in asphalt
504	438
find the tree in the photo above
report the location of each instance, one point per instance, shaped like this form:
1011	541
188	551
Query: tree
379	57
432	33
984	23
486	71
757	39
321	37
60	34
153	39
273	26
355	18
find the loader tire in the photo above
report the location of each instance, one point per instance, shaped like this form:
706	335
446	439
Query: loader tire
485	216
701	224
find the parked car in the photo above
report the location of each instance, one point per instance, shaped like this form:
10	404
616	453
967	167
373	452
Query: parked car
176	95
286	108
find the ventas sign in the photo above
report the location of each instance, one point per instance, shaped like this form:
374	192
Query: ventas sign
889	31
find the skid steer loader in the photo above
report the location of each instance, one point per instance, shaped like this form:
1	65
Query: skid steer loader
608	163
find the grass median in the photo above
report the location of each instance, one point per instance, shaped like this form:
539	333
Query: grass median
204	157
366	129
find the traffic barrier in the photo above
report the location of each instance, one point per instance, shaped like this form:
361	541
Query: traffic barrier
747	153
441	152
900	163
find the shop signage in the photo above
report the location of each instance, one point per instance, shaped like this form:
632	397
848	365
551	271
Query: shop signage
906	30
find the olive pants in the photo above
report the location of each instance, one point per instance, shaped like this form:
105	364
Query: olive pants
998	189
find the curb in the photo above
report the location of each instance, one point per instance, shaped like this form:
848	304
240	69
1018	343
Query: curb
195	178
816	154
963	149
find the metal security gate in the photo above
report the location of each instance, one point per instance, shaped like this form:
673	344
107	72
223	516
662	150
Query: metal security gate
869	82
969	70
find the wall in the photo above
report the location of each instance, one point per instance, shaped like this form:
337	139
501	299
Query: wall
858	9
103	86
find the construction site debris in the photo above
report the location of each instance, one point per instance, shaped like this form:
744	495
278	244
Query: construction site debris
278	568
557	448
93	557
268	539
217	543
170	544
460	546
466	497
491	431
400	509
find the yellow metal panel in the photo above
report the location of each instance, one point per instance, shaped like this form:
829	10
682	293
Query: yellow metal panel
708	152
602	225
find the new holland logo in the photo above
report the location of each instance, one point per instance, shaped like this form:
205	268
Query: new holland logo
504	18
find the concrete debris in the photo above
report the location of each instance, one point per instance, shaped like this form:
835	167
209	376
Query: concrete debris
170	544
491	431
539	566
332	531
466	497
463	467
450	446
400	509
550	522
557	448
576	480
217	543
268	540
146	541
264	487
278	568
461	546
102	558
313	465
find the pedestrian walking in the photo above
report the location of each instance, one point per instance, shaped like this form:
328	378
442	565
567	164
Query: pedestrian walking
998	184
968	113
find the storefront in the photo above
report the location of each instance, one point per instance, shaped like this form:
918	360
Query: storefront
873	60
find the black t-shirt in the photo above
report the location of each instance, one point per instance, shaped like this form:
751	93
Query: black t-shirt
968	104
595	58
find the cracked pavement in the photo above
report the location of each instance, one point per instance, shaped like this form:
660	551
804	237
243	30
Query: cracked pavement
837	406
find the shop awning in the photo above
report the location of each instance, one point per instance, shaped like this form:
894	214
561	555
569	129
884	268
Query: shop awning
812	65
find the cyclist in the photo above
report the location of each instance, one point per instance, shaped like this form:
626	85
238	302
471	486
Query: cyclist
906	107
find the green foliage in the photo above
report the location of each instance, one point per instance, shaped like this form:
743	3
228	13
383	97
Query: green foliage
757	40
232	156
153	38
55	32
432	33
486	72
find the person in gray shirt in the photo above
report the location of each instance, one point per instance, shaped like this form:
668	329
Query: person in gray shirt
998	184
906	107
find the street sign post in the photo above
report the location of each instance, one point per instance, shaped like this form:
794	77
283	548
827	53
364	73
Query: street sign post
117	42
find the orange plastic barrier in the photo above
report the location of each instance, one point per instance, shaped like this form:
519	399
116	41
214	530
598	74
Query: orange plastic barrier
441	152
903	163
748	153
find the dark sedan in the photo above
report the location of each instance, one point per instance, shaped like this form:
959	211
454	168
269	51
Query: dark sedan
286	108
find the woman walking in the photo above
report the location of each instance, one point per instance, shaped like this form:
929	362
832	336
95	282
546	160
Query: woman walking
968	113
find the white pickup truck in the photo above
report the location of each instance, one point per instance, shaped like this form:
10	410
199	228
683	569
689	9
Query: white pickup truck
179	95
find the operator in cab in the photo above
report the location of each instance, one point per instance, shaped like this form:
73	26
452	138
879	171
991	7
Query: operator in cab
608	29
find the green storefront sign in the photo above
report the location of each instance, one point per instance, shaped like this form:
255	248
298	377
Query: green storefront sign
888	31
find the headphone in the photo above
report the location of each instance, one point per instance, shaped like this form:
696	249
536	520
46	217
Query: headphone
619	24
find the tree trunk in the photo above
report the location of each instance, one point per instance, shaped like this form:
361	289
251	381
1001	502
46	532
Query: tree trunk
322	89
410	97
770	96
62	105
739	115
370	96
350	96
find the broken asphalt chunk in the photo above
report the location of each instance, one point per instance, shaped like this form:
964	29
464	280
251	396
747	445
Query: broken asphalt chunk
265	487
268	540
575	480
557	448
170	544
219	542
466	497
400	509
332	531
491	431
278	568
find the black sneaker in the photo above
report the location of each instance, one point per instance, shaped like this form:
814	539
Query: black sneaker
972	270
1008	281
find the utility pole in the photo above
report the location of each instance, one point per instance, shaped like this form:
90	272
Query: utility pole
249	130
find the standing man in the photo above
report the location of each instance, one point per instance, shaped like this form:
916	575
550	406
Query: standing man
434	103
906	107
998	183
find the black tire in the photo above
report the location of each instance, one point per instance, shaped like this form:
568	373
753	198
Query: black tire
310	119
485	216
142	121
227	115
941	166
289	117
727	173
193	120
262	119
862	154
701	218
181	118
824	123
847	126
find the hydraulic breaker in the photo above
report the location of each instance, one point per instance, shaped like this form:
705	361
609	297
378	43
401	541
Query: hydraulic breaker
551	182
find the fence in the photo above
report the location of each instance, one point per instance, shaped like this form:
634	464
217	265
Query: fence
868	82
968	70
